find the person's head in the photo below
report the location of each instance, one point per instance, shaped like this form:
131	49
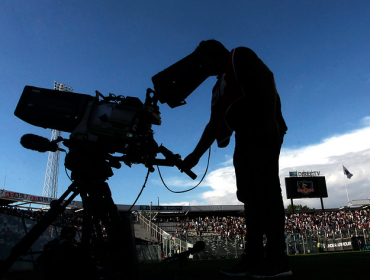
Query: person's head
213	56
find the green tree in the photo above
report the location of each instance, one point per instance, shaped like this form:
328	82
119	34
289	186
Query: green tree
298	207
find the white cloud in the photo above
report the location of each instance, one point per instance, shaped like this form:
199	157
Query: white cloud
321	153
175	182
351	150
223	187
184	203
366	120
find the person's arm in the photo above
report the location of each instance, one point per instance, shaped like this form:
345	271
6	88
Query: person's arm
208	137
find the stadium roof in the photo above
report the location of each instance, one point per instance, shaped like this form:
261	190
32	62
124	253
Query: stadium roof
21	200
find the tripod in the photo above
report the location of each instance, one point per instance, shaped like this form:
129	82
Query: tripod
116	250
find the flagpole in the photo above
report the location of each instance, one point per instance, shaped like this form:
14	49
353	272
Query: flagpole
345	184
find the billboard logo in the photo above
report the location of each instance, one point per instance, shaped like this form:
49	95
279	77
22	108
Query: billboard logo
304	173
305	187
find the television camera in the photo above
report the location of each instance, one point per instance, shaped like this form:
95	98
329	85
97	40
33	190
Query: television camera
99	127
114	123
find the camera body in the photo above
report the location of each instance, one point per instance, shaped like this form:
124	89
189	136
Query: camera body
117	123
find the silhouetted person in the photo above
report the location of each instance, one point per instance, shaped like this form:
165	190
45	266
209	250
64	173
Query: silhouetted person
63	259
245	101
58	256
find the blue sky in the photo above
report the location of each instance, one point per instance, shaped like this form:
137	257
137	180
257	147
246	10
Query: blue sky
318	51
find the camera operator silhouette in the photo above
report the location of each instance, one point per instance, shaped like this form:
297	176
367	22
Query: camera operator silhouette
245	101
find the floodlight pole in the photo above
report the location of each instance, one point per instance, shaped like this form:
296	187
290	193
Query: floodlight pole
52	168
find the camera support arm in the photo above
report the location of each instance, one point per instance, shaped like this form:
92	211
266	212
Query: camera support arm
175	160
82	150
170	160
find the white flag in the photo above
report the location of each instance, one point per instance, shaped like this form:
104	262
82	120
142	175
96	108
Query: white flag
347	173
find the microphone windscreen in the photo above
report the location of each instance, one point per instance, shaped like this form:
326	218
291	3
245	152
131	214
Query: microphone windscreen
38	143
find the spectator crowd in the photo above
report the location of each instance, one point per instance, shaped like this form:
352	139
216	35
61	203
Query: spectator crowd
62	220
229	226
234	226
328	221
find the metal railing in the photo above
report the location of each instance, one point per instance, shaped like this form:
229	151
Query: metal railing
154	233
217	246
311	241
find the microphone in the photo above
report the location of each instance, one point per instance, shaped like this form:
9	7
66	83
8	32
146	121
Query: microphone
38	143
199	246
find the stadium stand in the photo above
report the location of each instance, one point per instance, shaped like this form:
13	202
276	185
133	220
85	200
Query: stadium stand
171	232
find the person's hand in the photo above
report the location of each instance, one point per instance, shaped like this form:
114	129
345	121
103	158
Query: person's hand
190	161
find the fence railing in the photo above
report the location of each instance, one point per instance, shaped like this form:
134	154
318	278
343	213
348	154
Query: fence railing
217	246
313	241
302	242
12	230
170	243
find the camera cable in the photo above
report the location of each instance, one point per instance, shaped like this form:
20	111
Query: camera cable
146	179
205	173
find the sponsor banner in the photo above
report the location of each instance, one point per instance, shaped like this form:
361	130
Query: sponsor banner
30	198
347	244
328	245
304	173
162	208
337	245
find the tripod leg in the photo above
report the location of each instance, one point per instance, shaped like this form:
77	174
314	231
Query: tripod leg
121	242
87	222
23	246
92	232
